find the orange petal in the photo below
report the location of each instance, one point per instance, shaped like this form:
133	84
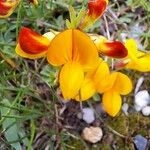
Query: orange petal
112	102
32	42
7	7
84	50
60	49
121	83
96	8
72	45
87	90
70	79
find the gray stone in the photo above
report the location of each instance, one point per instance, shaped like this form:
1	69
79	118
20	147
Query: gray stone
140	142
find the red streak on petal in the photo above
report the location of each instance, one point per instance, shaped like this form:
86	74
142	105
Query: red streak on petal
4	7
32	42
96	8
116	49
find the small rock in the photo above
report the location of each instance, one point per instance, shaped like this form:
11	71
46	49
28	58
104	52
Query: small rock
92	134
146	111
79	115
140	142
88	115
138	84
137	108
125	108
142	99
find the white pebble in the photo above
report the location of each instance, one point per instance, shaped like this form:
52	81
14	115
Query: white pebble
146	111
125	108
142	99
92	134
88	115
137	108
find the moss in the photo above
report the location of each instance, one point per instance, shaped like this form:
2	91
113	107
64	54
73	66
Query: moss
101	146
138	124
73	143
118	124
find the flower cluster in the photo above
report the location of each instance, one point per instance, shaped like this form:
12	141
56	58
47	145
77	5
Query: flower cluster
84	70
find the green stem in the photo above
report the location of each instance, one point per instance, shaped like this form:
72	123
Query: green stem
18	22
32	134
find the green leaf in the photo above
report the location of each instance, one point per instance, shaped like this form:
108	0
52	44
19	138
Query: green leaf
10	126
13	132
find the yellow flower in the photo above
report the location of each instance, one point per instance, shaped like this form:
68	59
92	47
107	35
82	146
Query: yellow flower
77	53
136	59
7	7
120	84
112	85
33	45
95	80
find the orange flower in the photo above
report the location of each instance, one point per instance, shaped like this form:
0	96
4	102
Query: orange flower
109	48
77	53
31	44
7	7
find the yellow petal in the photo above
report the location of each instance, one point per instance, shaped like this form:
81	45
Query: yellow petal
101	77
111	102
141	64
121	83
87	90
70	79
60	49
21	53
132	48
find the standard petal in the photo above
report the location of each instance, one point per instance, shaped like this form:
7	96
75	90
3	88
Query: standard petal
71	78
111	102
121	83
87	90
84	50
32	42
72	45
60	49
21	53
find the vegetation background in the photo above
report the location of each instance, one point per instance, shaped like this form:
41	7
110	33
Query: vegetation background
31	114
